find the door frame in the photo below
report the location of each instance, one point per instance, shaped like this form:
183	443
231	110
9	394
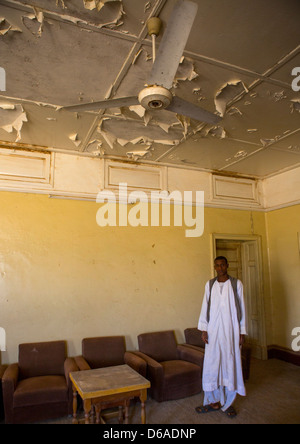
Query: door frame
243	238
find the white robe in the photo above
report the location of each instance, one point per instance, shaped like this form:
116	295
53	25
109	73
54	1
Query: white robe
222	365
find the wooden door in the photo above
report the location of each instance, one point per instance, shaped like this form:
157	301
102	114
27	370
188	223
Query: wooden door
232	251
243	259
252	300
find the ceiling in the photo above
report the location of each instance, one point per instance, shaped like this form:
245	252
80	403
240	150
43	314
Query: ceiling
237	63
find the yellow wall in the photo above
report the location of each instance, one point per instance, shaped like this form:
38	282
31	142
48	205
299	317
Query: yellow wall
283	227
64	277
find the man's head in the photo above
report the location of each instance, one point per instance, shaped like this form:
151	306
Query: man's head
221	266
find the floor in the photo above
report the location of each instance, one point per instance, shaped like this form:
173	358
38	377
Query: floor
273	397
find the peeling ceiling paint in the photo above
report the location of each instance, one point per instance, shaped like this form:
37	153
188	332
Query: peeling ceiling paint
237	63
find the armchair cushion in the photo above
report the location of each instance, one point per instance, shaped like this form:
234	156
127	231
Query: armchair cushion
42	358
41	390
193	336
161	346
179	374
104	351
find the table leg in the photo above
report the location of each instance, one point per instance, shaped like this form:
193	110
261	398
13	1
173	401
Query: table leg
127	402
87	409
92	414
120	418
75	421
98	411
143	398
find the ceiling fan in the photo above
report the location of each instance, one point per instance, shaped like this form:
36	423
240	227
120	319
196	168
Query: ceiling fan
157	95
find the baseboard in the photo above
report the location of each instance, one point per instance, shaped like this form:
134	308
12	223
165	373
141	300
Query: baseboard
285	354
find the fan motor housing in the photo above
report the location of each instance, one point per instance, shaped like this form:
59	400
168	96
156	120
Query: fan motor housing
155	97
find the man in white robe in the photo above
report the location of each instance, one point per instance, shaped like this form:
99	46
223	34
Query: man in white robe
223	325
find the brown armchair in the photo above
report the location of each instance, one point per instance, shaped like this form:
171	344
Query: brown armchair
193	338
175	371
106	351
38	386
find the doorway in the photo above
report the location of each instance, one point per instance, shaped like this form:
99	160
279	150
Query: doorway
243	255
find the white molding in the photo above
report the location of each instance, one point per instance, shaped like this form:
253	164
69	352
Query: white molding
43	172
233	191
137	176
21	168
281	206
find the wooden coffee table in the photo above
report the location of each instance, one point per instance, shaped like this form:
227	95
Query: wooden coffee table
113	386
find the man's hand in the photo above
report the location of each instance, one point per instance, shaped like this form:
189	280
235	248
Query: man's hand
205	337
242	340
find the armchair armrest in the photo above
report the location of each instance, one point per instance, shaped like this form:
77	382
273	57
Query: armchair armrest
190	354
70	366
82	363
150	361
154	368
9	383
3	367
10	377
136	362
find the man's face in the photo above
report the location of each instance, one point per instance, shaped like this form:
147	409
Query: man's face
221	267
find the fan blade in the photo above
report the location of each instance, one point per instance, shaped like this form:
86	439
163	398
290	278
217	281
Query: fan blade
104	104
172	44
188	109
